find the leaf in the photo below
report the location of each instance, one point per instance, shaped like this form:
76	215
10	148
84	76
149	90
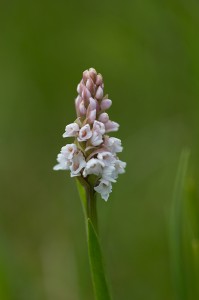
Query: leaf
176	235
96	264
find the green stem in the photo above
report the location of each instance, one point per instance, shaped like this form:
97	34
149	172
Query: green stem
88	199
92	207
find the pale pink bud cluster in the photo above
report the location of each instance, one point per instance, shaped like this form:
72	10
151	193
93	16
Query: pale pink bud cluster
93	152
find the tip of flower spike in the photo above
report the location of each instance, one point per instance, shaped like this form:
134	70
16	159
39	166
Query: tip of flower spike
93	70
99	79
93	77
92	74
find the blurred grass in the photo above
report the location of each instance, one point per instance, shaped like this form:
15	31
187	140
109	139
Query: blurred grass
176	232
192	221
184	239
148	54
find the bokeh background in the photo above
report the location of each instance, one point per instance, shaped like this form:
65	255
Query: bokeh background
148	53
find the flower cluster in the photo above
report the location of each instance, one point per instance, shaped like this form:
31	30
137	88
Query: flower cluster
93	152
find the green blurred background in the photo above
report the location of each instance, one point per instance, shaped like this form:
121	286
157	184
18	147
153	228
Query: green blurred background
148	53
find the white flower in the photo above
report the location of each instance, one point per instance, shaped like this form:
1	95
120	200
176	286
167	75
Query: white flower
99	127
109	173
93	166
98	131
107	157
71	130
113	144
96	139
69	150
63	163
85	133
119	167
78	163
104	188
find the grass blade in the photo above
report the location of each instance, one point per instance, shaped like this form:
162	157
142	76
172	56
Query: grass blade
96	263
193	220
176	235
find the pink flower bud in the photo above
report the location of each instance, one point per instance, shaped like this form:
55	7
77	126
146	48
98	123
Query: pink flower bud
91	116
82	108
99	79
93	70
93	74
105	104
77	103
103	118
86	94
99	127
79	88
111	126
90	86
99	93
85	75
98	107
93	103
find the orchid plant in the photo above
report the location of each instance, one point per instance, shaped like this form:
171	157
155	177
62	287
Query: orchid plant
92	159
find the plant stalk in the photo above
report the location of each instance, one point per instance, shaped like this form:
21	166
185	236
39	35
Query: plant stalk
98	275
92	207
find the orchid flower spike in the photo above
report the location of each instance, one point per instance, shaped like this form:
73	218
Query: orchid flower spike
93	152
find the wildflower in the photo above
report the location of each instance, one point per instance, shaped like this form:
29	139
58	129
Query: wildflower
113	144
111	126
69	150
63	163
85	133
78	163
120	166
93	151
106	157
104	118
99	127
105	104
71	130
96	139
93	166
104	188
109	174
